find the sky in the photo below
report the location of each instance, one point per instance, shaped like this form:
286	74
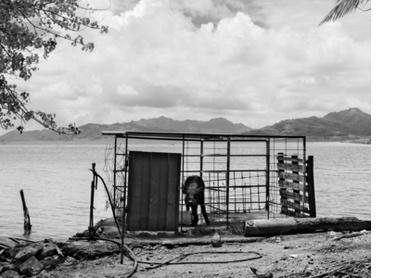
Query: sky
255	62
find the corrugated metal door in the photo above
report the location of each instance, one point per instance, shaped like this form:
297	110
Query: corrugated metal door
153	191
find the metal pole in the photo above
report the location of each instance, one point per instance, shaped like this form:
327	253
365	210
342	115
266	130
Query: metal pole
201	157
115	171
124	202
182	178
267	180
228	161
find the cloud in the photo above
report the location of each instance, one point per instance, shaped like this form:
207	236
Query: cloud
204	59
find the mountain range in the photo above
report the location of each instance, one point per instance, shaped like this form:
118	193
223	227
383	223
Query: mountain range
351	122
346	124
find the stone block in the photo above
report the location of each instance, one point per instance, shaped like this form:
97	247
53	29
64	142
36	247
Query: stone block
49	249
30	267
28	251
10	274
14	251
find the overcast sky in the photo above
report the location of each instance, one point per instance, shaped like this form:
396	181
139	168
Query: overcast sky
251	61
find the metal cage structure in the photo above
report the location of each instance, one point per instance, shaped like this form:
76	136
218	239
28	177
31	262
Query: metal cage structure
244	175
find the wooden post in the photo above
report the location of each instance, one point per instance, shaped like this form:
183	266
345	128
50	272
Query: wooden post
310	183
91	229
284	209
27	219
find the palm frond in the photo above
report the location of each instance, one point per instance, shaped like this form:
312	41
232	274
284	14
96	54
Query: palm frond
342	8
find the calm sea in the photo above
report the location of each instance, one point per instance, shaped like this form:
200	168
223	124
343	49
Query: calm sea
56	182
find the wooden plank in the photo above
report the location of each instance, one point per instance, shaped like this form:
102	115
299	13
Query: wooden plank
290	167
287	158
281	174
294	196
289	185
294	177
294	206
6	243
295	214
296	191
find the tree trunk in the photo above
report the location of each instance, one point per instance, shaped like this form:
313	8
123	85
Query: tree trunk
281	226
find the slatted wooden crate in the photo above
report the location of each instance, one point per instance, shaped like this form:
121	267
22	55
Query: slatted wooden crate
296	186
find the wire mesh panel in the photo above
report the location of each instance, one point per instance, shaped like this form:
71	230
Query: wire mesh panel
115	169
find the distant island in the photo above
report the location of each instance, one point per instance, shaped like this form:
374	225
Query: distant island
351	125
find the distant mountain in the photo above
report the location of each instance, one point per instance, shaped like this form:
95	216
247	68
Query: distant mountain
217	125
35	135
347	123
93	131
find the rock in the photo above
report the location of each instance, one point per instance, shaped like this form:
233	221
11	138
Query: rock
50	263
333	234
216	240
70	261
14	251
261	274
109	232
29	251
10	274
49	249
4	266
30	267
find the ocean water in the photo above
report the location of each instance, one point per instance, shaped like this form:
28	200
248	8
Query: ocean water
342	176
56	181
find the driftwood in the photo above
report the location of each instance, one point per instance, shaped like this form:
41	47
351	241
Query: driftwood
27	218
284	226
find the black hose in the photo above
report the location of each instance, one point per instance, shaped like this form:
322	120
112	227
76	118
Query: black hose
109	200
130	252
182	256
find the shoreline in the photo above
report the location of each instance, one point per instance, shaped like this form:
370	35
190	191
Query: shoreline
195	255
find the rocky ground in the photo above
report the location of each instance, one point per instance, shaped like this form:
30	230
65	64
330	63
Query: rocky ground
324	254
